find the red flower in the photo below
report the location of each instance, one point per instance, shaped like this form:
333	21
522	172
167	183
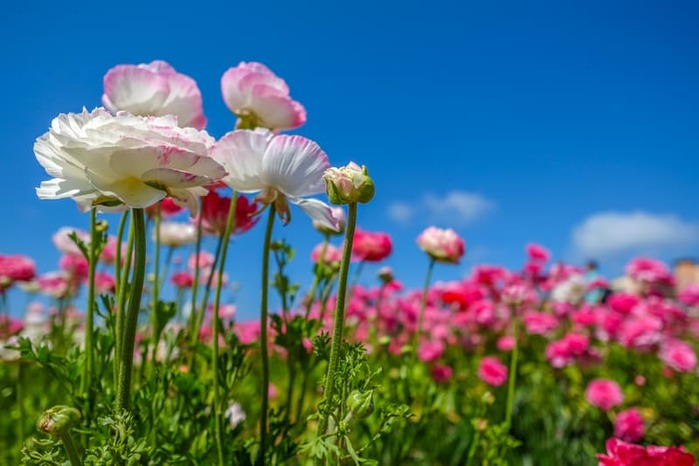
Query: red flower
215	209
371	247
620	453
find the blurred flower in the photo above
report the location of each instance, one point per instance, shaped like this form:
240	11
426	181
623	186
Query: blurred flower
182	279
204	261
371	247
214	212
259	98
168	208
689	296
76	267
620	453
572	290
442	373
104	283
176	234
492	371
536	253
101	159
648	270
604	394
333	254
65	244
678	355
506	343
431	350
235	414
15	269
154	89
284	168
442	245
629	426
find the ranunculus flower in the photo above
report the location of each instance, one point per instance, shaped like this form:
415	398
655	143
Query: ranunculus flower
689	296
442	373
333	254
76	266
371	246
102	159
259	98
442	245
603	393
215	208
182	279
620	453
235	414
204	261
176	234
678	355
537	253
14	269
629	426
154	89
104	283
492	371
430	350
284	168
168	208
65	244
644	269
349	184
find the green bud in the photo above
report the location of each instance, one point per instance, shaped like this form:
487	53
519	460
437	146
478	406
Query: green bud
349	185
361	404
58	420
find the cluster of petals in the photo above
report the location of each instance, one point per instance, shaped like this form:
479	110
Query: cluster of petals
371	246
330	254
281	168
167	207
15	268
604	394
154	89
442	245
97	158
176	234
537	253
214	213
492	371
260	98
678	355
571	348
620	453
643	269
629	425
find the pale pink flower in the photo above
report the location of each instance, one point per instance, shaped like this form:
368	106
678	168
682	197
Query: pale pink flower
333	254
506	343
76	266
283	168
235	415
492	371
629	426
56	284
204	261
604	394
537	252
349	184
104	283
154	89
539	323
442	245
371	246
259	98
100	159
63	242
678	355
176	234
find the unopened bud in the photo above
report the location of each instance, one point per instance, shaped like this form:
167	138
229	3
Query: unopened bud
349	184
58	420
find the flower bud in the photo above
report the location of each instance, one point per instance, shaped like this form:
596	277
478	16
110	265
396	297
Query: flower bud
385	275
361	404
58	420
349	184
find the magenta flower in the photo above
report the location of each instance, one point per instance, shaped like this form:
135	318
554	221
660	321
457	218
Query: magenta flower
371	247
678	355
442	245
689	296
604	394
620	453
14	269
442	373
214	210
429	351
644	269
492	371
182	279
629	426
154	89
259	98
537	253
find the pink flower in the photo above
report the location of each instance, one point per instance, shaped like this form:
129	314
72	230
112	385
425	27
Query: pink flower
214	210
620	453
643	269
539	323
623	302
506	343
492	371
689	296
429	351
629	426
154	89
182	280
76	266
371	247
14	269
205	260
168	208
678	355
537	253
442	373
64	243
259	98
56	284
604	394
332	254
104	283
442	245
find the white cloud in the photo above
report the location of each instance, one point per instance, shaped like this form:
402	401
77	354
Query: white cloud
608	233
454	208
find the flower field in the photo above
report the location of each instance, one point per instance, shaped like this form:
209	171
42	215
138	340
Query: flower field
125	355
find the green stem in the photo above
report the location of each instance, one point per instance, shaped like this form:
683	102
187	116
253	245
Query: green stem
118	315
21	428
512	376
194	337
338	324
121	299
131	321
264	353
423	305
317	276
90	309
217	302
156	287
71	449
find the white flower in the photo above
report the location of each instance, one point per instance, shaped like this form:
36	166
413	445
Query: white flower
235	414
98	158
283	168
175	234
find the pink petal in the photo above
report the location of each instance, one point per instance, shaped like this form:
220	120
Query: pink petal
294	165
241	154
138	89
172	178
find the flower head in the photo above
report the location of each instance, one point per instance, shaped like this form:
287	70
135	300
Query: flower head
620	453
260	98
442	245
281	168
492	371
154	89
176	234
603	393
629	426
371	246
349	184
214	210
14	269
101	159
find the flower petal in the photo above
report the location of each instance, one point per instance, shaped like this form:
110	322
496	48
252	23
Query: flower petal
294	165
318	211
241	153
174	178
130	190
137	90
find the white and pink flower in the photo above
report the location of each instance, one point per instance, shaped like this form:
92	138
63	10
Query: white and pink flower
442	245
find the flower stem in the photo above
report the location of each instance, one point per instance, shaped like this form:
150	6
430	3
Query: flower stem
118	318
512	377
90	309
194	336
423	305
338	325
217	302
156	287
121	299
264	353
131	318
71	449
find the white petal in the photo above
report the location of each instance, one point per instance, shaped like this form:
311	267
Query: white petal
135	90
131	191
172	178
318	211
241	153
295	165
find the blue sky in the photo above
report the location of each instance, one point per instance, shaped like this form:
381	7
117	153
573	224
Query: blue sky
572	124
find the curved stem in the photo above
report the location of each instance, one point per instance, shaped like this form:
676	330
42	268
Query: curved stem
338	324
423	305
264	353
218	419
90	309
131	320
